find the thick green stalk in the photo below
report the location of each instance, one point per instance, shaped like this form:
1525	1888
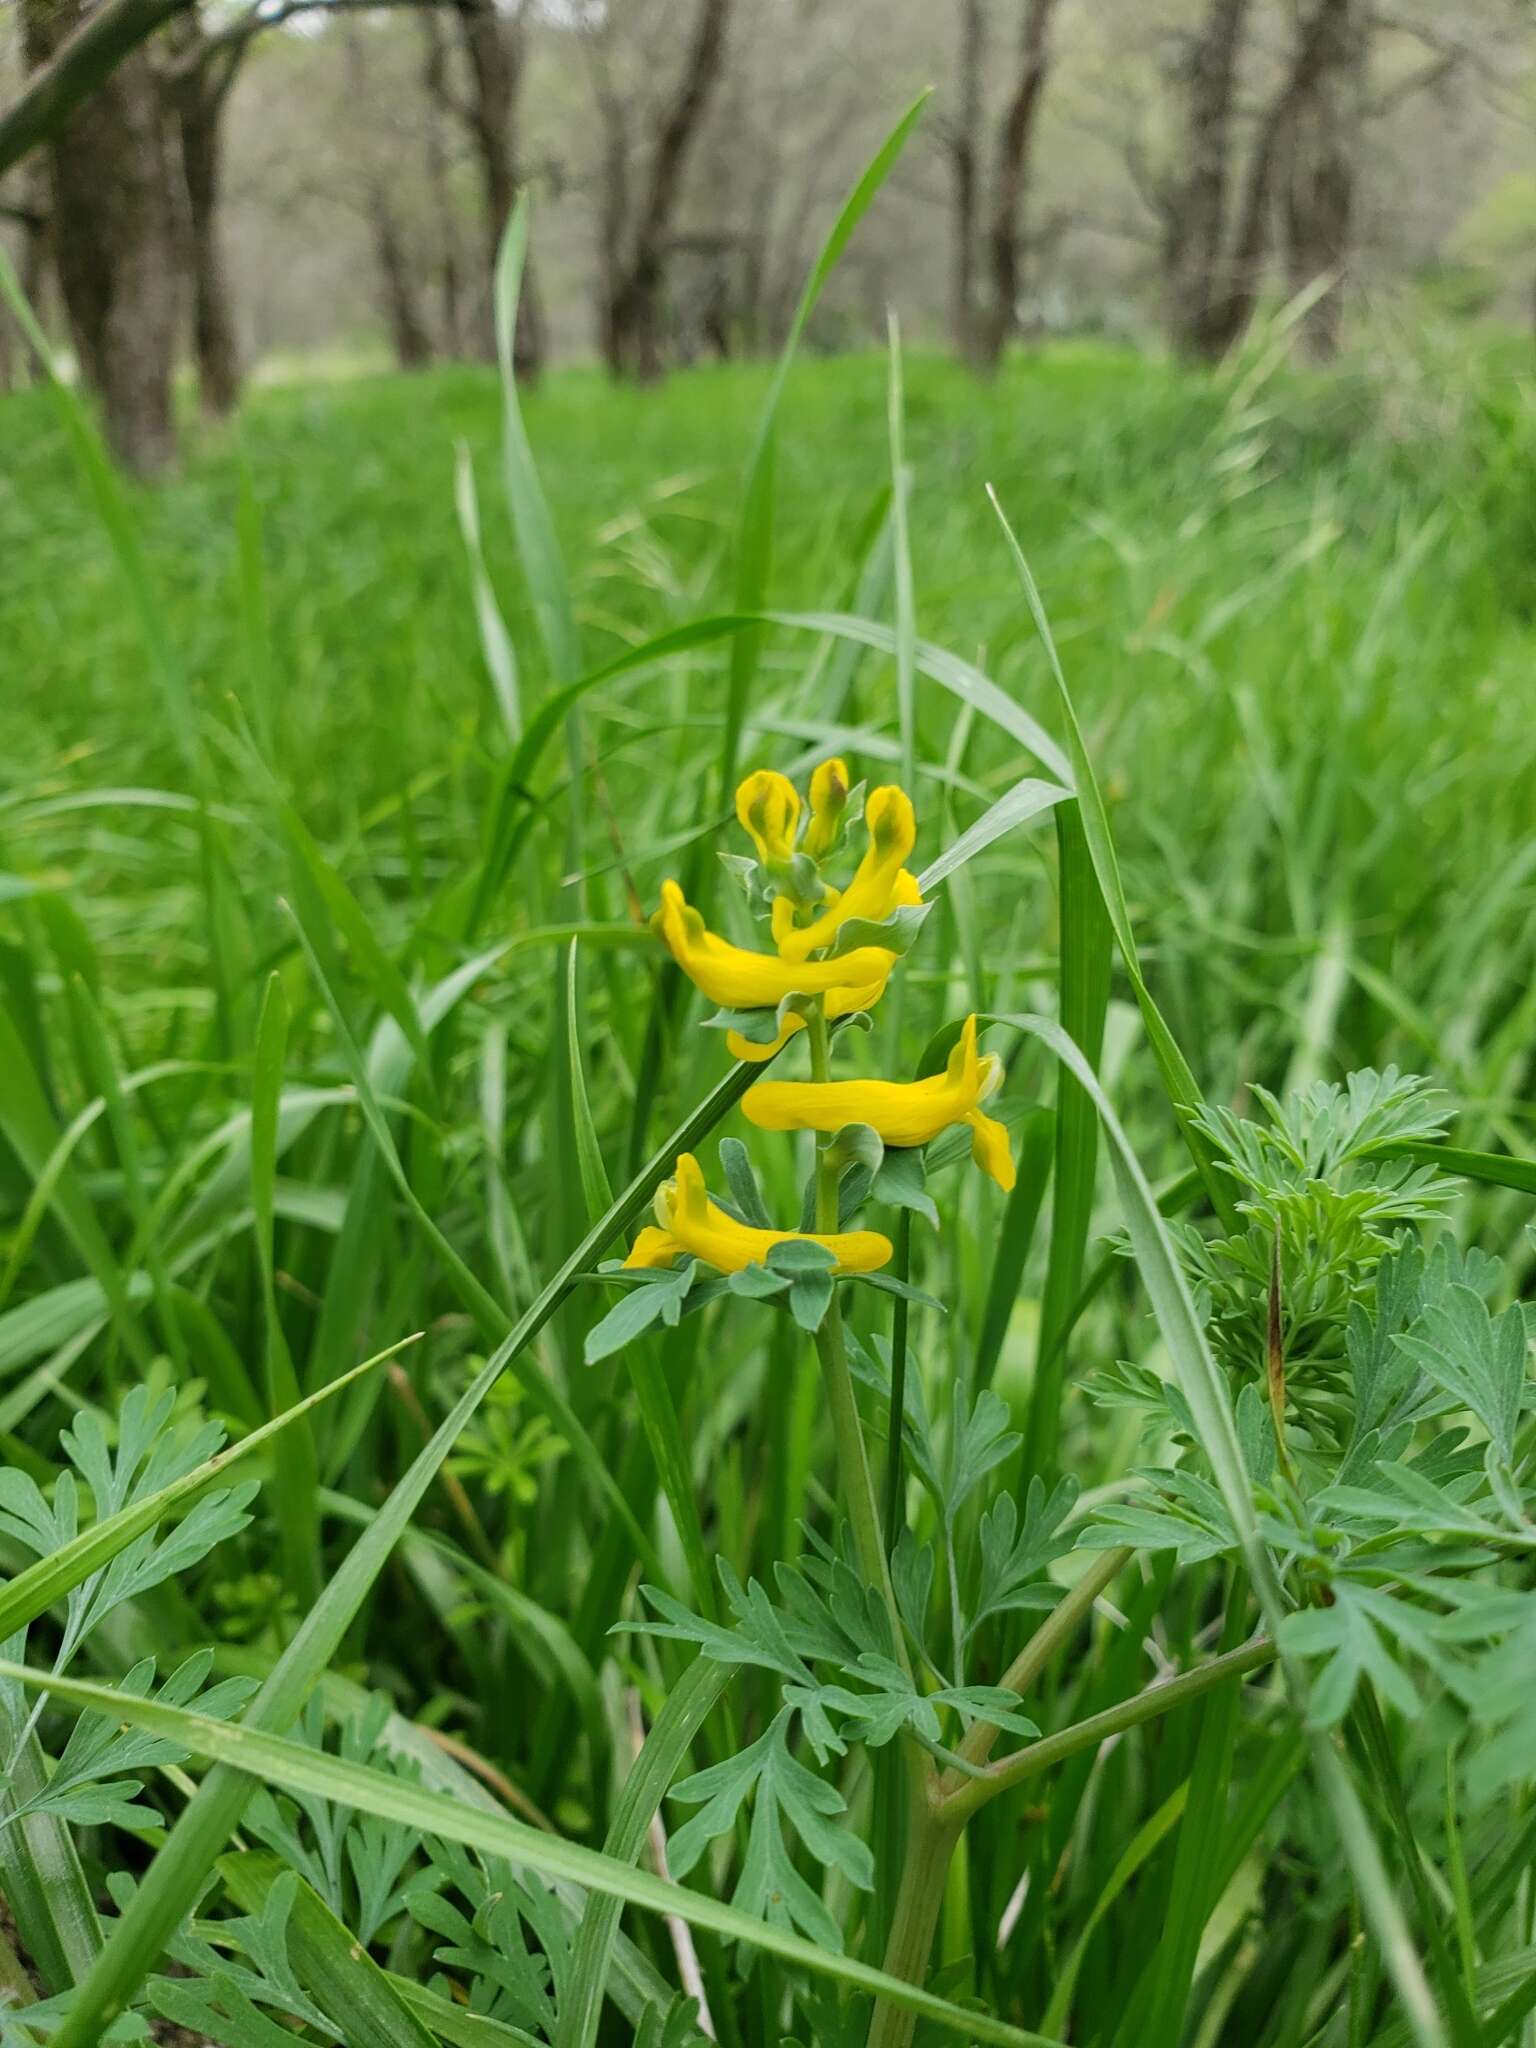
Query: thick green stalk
937	1823
858	1488
919	1901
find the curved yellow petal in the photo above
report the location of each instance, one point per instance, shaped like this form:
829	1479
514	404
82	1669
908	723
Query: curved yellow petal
829	799
837	1002
989	1148
653	1247
698	1225
748	1048
903	1113
741	980
768	808
873	891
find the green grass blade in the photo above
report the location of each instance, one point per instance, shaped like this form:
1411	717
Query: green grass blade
1026	800
688	1705
1497	1169
326	889
1183	1090
543	563
41	1875
28	1125
1144	1843
271	1760
901	561
333	1967
1036	1149
653	1396
1083	979
1197	1858
296	1475
495	641
595	1190
255	612
754	526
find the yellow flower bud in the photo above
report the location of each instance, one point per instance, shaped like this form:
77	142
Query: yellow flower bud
829	798
880	882
768	808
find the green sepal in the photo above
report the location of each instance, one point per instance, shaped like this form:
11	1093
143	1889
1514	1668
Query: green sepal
902	1180
896	933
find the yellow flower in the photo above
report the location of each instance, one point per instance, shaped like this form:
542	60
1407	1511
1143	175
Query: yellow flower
768	807
741	980
904	1113
880	882
837	1002
829	795
690	1222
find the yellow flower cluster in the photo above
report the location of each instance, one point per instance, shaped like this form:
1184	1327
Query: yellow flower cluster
807	914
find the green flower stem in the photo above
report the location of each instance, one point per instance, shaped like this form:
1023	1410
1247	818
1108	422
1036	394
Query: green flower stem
940	1820
895	1503
973	1793
919	1901
930	1838
1059	1625
858	1487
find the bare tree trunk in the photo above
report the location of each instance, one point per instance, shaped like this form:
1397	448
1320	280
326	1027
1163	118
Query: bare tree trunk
1012	178
632	327
37	234
408	330
1199	283
435	80
493	48
200	100
963	155
1232	307
613	218
1320	189
114	240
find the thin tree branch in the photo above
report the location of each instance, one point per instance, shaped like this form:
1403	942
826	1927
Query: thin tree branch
258	19
79	67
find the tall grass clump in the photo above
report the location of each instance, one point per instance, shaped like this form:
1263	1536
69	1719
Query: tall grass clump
738	1185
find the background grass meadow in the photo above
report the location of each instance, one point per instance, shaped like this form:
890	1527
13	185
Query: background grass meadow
1299	619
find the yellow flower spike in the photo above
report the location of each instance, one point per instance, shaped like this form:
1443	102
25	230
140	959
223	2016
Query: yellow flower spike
691	1222
737	979
904	1113
829	798
768	808
881	875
